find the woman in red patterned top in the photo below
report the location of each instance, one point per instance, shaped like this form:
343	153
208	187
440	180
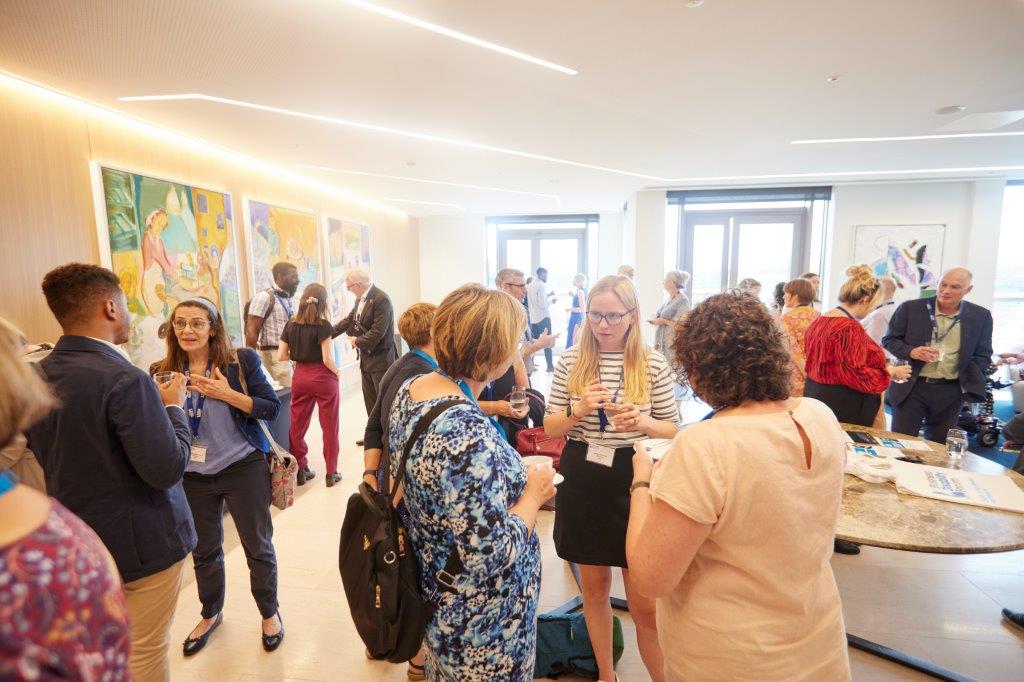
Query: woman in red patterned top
846	370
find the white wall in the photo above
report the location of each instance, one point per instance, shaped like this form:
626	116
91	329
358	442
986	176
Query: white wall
453	251
609	243
646	219
970	210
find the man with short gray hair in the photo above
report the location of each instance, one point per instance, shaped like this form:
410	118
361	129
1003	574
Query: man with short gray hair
513	283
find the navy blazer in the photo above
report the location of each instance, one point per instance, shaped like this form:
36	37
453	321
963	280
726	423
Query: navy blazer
114	455
265	403
911	326
373	331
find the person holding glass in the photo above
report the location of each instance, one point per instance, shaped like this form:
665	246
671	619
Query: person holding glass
607	392
229	392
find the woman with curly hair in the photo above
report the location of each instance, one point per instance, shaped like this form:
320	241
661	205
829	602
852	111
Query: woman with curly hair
732	531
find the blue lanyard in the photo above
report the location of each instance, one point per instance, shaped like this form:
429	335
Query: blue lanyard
7	481
935	325
195	414
285	303
430	361
461	383
602	416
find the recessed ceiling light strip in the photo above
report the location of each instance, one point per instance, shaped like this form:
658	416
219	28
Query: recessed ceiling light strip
425	203
905	138
380	129
848	174
458	35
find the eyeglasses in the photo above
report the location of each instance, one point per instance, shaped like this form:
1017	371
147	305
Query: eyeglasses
516	285
196	324
611	318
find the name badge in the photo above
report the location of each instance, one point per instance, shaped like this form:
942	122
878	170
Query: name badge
601	454
198	453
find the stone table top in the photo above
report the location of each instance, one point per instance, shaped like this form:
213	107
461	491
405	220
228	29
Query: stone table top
875	514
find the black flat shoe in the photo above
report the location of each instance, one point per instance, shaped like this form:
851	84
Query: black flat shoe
360	442
332	479
846	547
1014	618
271	642
304	474
191	646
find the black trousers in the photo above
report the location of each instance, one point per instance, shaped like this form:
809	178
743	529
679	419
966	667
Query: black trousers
538	329
937	405
245	487
849	406
371	385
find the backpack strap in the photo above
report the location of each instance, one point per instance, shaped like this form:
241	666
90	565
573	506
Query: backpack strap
422	425
273	302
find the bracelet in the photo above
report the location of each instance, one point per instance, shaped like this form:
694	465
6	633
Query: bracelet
639	484
370	472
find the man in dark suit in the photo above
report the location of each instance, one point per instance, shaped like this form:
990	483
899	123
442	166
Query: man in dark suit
371	324
949	344
115	451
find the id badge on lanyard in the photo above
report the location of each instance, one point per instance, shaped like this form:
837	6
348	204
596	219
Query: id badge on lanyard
195	417
599	453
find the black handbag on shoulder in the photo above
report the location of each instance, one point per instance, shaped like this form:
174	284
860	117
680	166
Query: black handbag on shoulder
379	570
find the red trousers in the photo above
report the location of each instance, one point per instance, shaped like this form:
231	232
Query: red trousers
314	384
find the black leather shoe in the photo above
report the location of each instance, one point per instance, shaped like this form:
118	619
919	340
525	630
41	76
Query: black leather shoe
271	642
332	479
1014	618
846	547
191	646
304	474
360	442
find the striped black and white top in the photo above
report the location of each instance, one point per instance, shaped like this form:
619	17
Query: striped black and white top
662	405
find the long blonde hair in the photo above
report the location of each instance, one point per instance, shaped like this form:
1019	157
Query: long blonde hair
636	377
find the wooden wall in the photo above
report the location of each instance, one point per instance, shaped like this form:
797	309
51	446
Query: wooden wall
48	213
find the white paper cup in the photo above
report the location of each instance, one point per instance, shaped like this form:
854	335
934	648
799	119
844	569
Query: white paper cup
539	461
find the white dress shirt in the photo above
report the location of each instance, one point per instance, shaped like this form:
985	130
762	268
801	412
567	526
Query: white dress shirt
876	324
537	297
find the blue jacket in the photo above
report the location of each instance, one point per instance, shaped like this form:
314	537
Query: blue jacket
114	455
265	403
911	326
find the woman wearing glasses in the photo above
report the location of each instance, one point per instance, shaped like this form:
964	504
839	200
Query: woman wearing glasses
228	394
607	392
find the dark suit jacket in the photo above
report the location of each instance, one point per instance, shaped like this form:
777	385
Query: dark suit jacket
911	327
114	455
373	331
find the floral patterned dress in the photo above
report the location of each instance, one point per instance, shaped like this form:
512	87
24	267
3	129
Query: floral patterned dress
795	323
460	480
62	609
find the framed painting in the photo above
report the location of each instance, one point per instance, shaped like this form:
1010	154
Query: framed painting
910	254
167	242
276	234
348	247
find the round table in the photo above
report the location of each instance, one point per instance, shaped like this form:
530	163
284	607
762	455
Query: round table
875	514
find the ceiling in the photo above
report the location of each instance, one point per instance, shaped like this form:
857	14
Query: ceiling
666	95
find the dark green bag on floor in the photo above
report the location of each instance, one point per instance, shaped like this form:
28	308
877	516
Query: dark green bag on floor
563	646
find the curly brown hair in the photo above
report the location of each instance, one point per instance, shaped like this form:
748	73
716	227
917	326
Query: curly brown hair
729	350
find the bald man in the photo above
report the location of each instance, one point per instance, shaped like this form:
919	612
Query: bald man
949	344
877	321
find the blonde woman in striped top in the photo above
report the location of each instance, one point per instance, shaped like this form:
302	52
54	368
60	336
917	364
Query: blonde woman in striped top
607	392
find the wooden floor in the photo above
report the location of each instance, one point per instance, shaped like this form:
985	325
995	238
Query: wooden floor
941	608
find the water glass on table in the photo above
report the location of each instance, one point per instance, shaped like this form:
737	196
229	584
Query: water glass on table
956	444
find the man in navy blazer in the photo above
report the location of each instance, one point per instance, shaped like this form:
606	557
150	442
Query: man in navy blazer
114	453
949	344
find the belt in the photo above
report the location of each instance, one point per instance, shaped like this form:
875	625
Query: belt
935	380
268	347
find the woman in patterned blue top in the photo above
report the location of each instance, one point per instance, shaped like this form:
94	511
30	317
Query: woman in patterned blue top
470	496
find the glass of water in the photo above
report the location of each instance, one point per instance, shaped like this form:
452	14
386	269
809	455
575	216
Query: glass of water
956	444
518	401
900	363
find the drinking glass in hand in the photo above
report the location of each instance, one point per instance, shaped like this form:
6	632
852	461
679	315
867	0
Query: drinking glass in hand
163	377
956	444
518	402
900	363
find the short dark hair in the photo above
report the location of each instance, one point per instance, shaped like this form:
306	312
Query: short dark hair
281	269
74	291
540	270
729	350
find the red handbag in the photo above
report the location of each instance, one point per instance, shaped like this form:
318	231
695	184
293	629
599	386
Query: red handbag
535	442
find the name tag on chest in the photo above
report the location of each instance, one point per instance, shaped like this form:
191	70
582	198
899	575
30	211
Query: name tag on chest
198	453
601	454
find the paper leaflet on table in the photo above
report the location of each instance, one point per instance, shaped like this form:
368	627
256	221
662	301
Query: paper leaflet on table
964	487
657	447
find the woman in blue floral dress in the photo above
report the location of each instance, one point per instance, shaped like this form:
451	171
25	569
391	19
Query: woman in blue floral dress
468	494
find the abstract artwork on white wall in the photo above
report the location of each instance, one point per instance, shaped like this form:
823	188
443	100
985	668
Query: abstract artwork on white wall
910	254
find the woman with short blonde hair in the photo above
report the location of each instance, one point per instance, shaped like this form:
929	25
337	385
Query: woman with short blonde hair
608	391
472	504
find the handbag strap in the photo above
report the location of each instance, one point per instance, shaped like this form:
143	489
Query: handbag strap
274	447
422	425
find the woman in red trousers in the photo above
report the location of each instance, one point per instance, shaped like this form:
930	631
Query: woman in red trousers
306	340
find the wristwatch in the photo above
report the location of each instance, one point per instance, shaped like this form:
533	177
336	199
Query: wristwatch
568	410
639	484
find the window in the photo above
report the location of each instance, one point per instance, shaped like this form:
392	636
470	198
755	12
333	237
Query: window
1008	306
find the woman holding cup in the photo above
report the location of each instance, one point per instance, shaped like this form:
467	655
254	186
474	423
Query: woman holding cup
608	391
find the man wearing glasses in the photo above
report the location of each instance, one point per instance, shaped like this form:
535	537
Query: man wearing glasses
513	282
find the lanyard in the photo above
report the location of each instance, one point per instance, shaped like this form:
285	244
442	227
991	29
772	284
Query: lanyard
882	305
461	383
430	361
195	414
602	416
7	481
846	312
935	325
286	303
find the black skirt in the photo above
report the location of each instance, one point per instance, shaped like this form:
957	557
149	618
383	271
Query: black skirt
849	406
592	508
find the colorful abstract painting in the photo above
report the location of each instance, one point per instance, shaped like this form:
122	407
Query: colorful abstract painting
348	247
278	234
910	254
168	242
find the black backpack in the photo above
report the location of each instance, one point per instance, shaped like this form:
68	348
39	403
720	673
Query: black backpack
380	572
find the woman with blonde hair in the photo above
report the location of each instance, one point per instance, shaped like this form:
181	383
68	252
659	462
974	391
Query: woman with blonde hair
798	297
472	504
607	392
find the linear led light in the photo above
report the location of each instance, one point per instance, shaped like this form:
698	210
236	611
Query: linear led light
380	129
429	182
847	174
905	138
425	203
457	35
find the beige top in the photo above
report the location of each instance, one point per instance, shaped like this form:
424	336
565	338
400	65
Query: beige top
759	601
949	366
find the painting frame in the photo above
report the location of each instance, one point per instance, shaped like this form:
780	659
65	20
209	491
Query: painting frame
250	235
910	253
341	258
